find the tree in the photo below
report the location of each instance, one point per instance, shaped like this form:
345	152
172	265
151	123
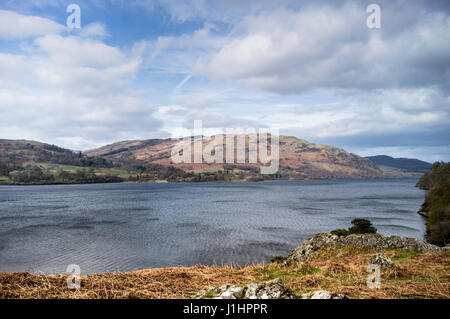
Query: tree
360	226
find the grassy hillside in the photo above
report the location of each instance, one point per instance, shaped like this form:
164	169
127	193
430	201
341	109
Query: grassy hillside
437	203
416	275
298	159
30	162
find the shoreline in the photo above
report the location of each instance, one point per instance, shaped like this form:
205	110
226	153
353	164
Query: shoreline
230	182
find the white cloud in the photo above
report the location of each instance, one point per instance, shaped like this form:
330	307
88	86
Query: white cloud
95	29
182	54
12	67
73	91
81	52
288	51
17	26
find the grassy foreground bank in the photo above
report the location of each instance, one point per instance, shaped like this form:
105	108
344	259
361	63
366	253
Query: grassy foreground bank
417	275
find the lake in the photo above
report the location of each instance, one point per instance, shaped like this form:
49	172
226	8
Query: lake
129	226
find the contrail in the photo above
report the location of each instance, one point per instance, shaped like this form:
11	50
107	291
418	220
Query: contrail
183	82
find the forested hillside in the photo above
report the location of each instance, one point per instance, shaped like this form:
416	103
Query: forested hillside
437	203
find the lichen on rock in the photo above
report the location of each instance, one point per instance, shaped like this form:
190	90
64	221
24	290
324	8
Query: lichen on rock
272	289
323	294
383	261
222	292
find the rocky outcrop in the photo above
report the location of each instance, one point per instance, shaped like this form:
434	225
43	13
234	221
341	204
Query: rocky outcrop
383	261
222	292
323	294
307	250
310	247
272	289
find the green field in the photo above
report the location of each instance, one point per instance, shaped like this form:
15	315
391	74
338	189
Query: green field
54	168
4	180
63	167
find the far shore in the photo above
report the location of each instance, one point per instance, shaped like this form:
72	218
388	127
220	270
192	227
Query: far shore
200	182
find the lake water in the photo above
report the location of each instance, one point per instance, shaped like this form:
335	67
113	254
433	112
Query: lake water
123	227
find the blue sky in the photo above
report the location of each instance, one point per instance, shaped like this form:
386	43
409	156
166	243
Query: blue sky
146	69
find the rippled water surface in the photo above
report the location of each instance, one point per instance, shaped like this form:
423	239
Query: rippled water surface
122	227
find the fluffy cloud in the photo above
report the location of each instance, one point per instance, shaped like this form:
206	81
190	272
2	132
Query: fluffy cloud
331	47
74	91
88	66
94	30
17	26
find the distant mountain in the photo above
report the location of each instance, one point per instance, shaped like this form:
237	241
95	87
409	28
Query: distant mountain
406	164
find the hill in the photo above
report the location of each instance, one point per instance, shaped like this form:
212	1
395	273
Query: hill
31	162
299	159
405	164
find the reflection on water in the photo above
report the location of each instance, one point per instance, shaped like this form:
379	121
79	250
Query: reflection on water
122	227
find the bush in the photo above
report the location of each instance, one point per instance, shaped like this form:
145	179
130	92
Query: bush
360	226
32	175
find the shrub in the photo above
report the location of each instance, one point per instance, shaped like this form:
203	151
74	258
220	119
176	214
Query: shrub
360	226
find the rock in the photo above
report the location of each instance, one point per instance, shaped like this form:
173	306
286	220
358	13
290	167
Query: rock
273	289
308	249
423	213
223	292
377	241
232	292
383	261
323	294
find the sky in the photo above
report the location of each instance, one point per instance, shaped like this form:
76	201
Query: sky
147	69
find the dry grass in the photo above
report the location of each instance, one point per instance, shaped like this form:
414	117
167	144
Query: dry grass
416	276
